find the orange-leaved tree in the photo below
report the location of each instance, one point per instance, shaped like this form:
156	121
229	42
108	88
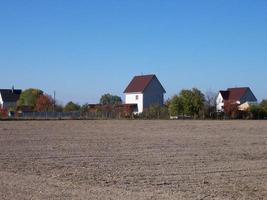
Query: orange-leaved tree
3	113
44	103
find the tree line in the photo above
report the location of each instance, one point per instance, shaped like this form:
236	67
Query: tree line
38	101
194	104
188	103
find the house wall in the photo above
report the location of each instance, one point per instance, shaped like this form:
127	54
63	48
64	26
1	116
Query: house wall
248	97
1	101
7	105
153	94
219	103
131	99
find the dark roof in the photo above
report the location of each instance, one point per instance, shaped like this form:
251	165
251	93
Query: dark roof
237	93
10	95
139	83
225	94
234	93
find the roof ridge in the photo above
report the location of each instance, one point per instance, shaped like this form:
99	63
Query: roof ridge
238	88
139	83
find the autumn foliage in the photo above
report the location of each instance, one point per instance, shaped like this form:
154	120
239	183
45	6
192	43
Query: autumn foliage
44	103
3	113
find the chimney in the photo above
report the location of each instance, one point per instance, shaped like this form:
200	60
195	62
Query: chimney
12	89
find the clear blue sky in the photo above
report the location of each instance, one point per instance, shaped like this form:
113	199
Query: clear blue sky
83	48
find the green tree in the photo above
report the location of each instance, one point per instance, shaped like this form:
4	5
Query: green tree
29	97
155	112
70	107
188	102
108	99
257	112
198	101
176	106
263	104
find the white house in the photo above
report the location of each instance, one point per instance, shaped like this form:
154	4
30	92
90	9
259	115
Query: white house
144	91
237	96
9	98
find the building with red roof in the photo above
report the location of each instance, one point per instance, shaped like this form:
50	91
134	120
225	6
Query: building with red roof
234	97
144	91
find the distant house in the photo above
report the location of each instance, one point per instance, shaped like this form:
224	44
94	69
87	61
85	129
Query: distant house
235	96
9	98
144	91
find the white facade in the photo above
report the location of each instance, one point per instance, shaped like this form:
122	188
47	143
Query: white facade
135	98
1	101
219	103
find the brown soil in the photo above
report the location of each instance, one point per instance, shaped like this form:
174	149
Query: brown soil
133	160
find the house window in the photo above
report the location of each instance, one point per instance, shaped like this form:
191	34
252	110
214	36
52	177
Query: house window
136	97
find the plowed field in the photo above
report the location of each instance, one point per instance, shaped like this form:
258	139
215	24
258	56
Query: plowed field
133	160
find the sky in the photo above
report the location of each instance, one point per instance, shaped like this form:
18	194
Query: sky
82	49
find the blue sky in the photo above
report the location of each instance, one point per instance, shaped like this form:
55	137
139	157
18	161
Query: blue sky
83	48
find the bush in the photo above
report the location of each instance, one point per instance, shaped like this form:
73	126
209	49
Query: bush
44	103
155	112
3	113
109	99
71	107
258	112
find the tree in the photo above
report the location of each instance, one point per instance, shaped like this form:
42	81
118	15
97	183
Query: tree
58	108
108	99
263	104
70	107
187	99
29	97
193	101
44	103
84	108
210	104
155	112
176	106
231	109
258	112
3	113
198	101
188	102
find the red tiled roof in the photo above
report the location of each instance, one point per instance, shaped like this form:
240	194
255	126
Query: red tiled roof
234	94
237	93
139	83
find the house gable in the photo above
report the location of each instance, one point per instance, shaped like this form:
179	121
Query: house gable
9	98
248	97
155	85
10	95
154	93
1	101
220	102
